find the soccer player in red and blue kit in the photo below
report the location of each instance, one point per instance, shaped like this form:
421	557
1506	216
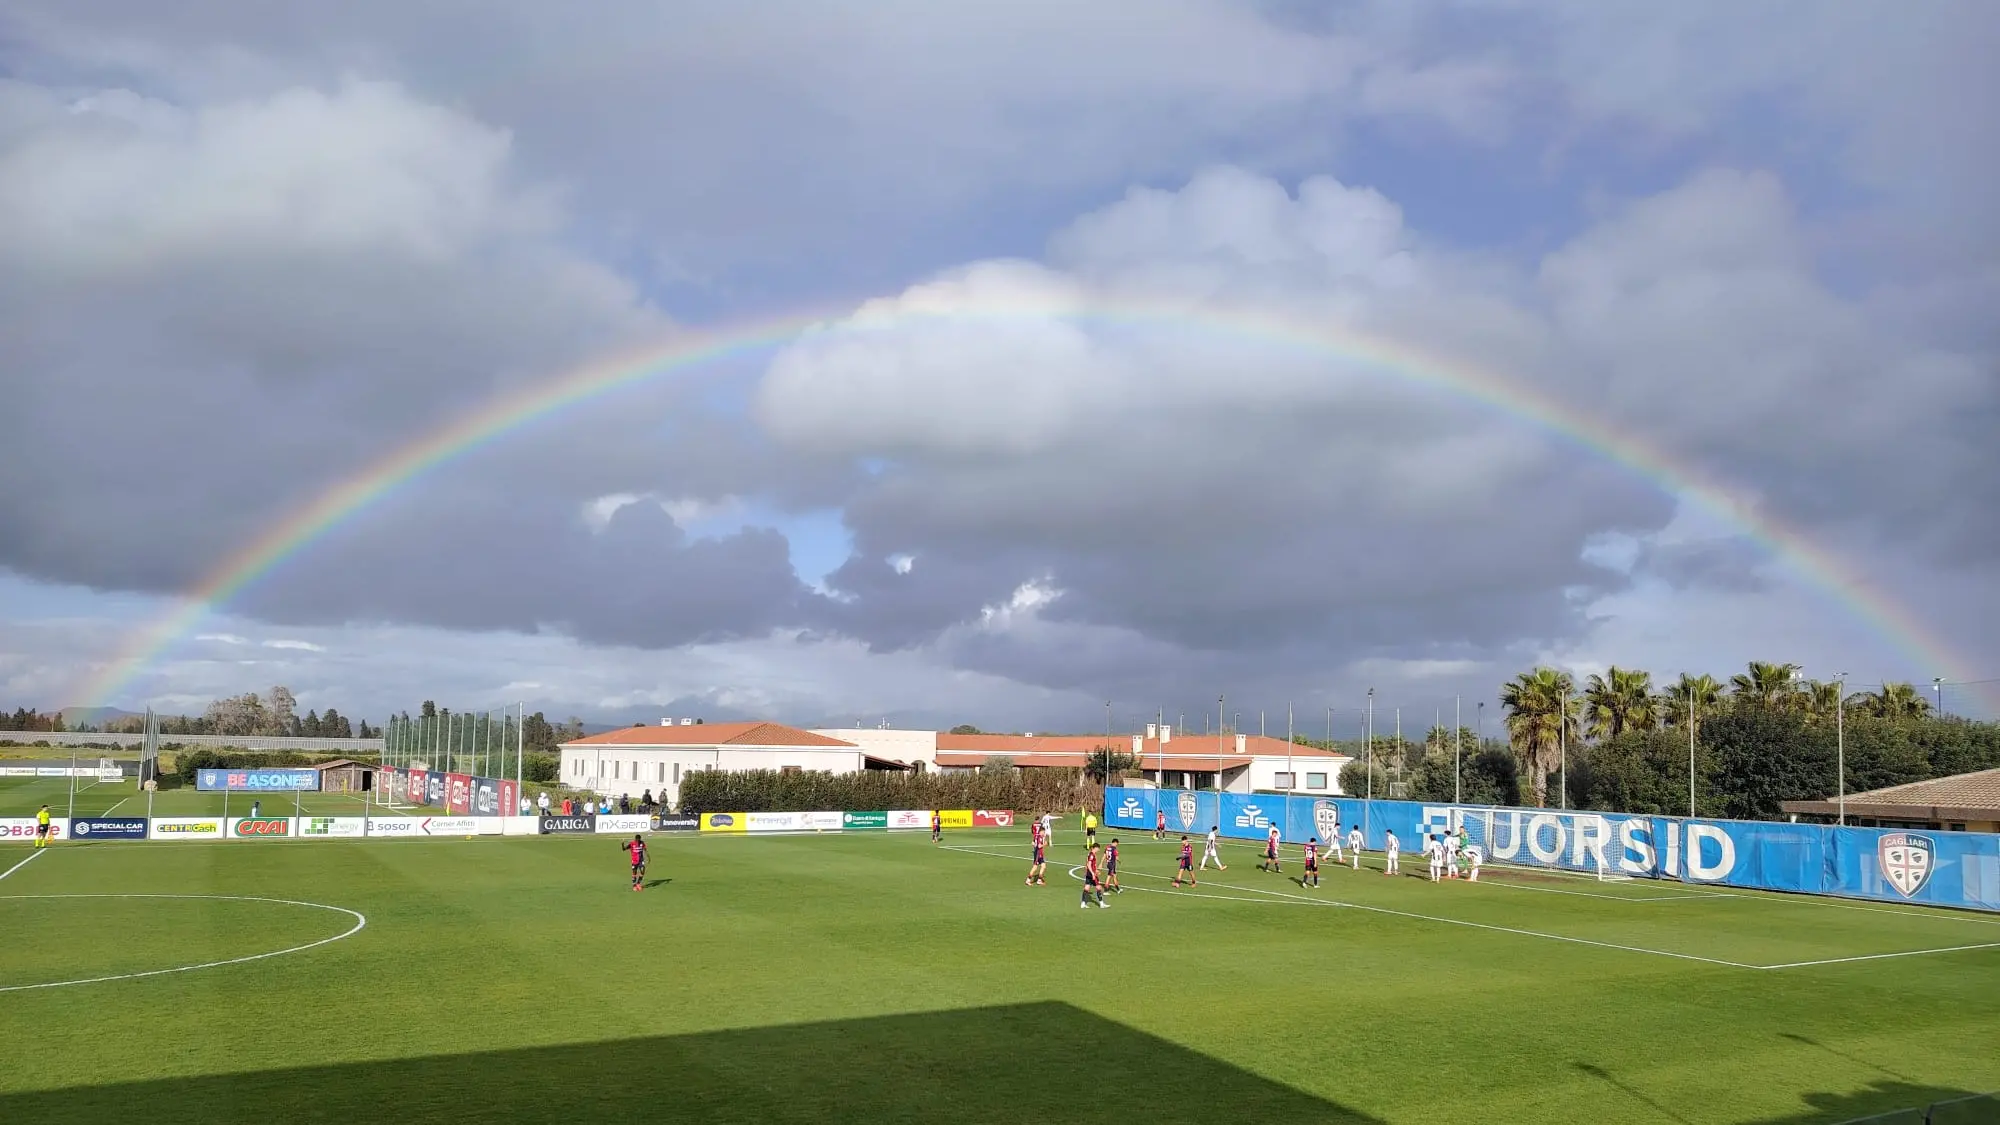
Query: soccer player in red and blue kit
1187	863
1312	863
937	827
637	850
1040	866
1111	867
1091	885
1160	825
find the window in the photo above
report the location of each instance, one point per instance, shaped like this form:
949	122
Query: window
1315	781
1286	781
614	768
635	771
677	773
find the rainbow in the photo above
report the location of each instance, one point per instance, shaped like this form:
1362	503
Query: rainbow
510	412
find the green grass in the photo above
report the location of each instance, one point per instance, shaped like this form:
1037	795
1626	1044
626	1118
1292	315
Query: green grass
875	977
22	796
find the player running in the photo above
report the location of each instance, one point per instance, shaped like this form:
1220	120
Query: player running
1040	866
1391	848
1187	863
1160	825
637	850
1213	851
1354	842
1091	885
1111	867
1312	863
937	827
43	829
1271	850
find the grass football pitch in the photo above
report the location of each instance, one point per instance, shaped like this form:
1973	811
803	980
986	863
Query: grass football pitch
878	977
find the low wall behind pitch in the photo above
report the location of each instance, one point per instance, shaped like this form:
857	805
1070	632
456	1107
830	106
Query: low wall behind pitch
1960	869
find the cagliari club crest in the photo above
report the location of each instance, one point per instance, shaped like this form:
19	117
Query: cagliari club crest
1906	861
1187	811
1326	818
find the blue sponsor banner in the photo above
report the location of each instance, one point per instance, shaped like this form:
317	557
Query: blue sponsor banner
257	780
107	828
1958	869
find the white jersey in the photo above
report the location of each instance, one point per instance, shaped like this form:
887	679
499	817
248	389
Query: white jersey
1391	845
1211	841
1435	851
1354	838
1472	854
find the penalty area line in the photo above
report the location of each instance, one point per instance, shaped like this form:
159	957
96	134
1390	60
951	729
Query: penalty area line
1880	956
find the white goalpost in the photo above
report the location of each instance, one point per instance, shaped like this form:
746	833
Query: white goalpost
1583	844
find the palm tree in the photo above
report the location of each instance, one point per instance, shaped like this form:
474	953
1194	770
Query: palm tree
1819	699
1767	685
1618	701
1541	712
1892	701
1674	701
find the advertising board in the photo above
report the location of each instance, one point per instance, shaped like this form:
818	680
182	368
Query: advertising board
665	822
457	794
909	818
108	828
17	771
393	826
434	790
851	821
510	798
992	818
448	825
723	822
416	788
955	818
486	798
332	827
620	823
553	825
256	781
185	828
23	828
259	828
774	822
820	821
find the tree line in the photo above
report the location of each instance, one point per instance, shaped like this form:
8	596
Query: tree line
272	714
1767	735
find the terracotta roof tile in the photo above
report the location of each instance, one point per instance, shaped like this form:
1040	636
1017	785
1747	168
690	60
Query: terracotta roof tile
713	734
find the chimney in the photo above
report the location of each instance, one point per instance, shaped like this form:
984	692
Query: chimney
1152	731
687	722
1138	746
666	722
1242	740
1166	734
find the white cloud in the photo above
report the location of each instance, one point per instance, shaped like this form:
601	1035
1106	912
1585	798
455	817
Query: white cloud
223	638
295	645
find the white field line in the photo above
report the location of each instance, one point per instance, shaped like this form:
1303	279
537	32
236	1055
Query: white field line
1881	956
114	808
360	920
31	858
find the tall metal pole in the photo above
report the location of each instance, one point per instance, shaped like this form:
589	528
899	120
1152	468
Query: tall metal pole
1370	728
520	742
72	779
1457	747
1562	745
1937	685
1291	767
1840	740
1691	725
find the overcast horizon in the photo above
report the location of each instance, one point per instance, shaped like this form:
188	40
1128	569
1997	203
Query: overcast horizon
244	258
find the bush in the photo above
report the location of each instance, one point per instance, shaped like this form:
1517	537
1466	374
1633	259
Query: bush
1039	790
541	768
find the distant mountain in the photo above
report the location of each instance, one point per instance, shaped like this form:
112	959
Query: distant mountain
93	716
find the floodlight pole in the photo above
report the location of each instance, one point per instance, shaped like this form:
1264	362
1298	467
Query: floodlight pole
520	741
1840	741
72	782
1457	748
1690	725
1562	745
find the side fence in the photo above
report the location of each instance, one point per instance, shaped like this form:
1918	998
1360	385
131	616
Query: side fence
1958	869
195	828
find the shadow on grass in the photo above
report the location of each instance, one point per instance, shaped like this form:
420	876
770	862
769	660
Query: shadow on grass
1891	1102
1025	1062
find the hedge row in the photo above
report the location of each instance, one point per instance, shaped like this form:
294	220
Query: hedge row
1049	790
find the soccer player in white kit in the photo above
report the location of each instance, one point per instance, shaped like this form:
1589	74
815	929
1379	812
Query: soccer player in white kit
1049	830
1333	844
1450	844
1473	856
1212	853
1354	845
1390	850
1434	852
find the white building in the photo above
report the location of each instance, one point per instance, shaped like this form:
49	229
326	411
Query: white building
632	761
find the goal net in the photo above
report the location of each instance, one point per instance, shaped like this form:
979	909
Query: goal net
1582	843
